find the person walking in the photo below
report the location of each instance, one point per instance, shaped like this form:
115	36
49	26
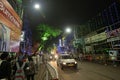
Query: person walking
21	62
35	62
80	57
5	67
30	72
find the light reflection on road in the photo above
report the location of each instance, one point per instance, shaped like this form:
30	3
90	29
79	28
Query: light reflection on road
88	71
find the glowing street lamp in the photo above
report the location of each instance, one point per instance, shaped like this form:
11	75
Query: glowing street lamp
68	30
25	17
37	6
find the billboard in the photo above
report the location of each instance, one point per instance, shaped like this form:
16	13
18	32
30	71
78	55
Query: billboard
10	18
96	38
10	27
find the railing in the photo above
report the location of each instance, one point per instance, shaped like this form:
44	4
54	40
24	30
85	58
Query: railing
49	73
52	71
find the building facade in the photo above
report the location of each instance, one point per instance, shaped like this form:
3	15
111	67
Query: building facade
10	28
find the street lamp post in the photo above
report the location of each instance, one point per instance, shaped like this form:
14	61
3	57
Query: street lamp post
26	40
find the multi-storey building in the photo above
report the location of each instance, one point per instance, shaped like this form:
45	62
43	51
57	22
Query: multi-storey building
104	30
21	6
13	23
100	36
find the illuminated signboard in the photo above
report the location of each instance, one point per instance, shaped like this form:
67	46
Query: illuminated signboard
96	38
9	17
99	37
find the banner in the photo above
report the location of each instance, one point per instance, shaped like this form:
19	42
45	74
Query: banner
96	38
113	33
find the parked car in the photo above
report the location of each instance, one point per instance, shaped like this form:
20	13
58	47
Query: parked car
66	60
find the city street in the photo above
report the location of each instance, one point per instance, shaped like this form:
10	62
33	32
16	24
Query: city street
52	36
89	71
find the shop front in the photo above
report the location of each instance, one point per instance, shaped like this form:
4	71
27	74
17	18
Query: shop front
94	41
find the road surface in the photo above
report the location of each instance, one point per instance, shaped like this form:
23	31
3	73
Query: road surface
89	71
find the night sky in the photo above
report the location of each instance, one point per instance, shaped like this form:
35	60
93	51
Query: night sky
61	13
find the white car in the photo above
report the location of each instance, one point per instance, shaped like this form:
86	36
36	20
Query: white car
53	57
66	60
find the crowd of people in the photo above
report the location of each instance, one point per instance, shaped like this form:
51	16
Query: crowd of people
11	67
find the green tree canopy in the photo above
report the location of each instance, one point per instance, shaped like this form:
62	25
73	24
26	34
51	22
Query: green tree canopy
45	33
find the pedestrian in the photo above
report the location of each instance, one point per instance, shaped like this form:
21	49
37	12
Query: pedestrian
5	67
34	57
21	61
80	57
30	71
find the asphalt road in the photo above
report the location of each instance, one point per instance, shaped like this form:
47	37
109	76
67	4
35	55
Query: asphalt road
90	71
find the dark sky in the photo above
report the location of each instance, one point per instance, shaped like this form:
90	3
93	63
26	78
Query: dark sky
67	12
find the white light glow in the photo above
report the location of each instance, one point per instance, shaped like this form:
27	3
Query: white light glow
37	6
68	30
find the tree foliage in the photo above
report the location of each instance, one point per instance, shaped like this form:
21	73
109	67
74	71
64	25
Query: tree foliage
45	33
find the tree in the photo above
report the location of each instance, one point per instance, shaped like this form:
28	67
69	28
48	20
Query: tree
45	35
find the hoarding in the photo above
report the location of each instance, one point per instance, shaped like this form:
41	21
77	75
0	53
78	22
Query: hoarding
96	38
113	33
99	37
12	24
10	18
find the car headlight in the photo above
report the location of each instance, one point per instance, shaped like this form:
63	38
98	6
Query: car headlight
75	62
56	56
64	63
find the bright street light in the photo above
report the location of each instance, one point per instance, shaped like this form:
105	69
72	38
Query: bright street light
68	30
37	6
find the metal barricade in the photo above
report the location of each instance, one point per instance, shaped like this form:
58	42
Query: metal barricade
49	73
53	74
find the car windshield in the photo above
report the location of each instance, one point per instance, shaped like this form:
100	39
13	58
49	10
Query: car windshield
66	57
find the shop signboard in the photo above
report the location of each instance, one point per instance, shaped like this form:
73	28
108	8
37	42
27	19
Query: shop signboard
113	54
102	36
98	37
113	33
12	26
10	18
113	39
93	38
